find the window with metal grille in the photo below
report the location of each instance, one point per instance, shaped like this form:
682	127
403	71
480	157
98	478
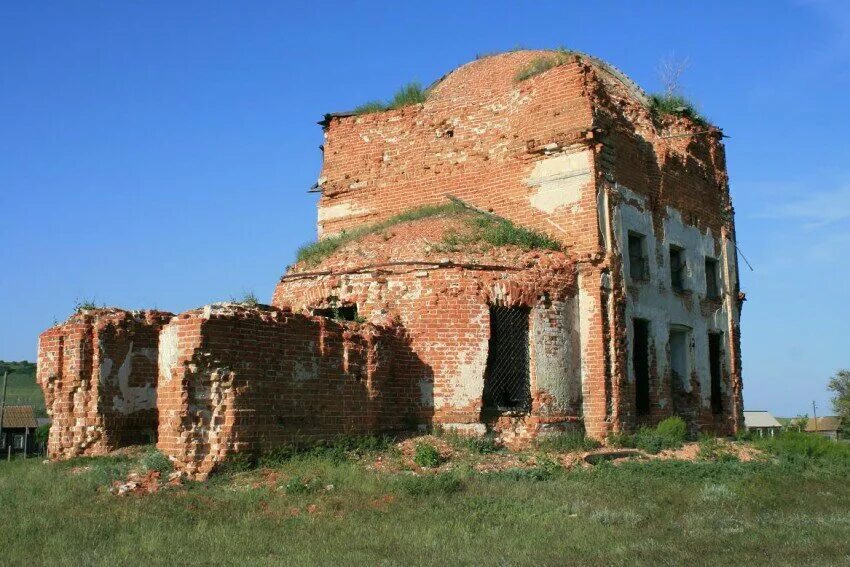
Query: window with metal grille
677	268
638	266
506	380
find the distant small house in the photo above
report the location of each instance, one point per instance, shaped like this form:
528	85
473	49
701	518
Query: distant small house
829	426
761	423
18	430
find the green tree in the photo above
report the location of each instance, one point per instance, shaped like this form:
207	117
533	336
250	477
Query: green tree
840	386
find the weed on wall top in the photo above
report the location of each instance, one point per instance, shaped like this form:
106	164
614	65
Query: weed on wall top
490	230
412	93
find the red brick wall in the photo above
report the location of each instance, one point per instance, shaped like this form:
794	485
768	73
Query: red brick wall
481	136
478	136
249	379
98	373
445	311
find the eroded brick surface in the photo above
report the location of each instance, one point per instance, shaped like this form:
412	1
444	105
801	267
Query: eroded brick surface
236	379
442	297
98	372
575	153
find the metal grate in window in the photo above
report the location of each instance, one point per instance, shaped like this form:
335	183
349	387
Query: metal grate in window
506	381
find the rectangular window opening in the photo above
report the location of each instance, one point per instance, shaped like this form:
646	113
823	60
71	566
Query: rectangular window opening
679	371
714	360
640	361
638	265
712	289
342	313
677	268
507	384
18	442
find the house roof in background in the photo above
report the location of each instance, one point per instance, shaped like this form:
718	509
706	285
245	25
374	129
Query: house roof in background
759	418
825	423
19	416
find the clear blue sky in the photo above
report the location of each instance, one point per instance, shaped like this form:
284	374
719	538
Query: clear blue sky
158	154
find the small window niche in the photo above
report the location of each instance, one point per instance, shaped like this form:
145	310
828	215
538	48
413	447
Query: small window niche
638	264
712	280
677	268
337	313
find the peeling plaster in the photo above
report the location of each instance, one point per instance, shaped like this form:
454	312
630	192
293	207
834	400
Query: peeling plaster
168	353
340	211
654	299
560	181
133	398
557	355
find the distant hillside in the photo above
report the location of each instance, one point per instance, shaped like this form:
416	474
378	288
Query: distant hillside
22	389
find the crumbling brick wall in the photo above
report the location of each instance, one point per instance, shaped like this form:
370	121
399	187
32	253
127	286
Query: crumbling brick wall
99	376
561	152
522	150
237	379
666	177
444	305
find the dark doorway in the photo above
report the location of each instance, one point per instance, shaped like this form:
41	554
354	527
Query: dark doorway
640	361
714	354
506	380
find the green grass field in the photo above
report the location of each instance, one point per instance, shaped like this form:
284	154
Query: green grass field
22	388
791	508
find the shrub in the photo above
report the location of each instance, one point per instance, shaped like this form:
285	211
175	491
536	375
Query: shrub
796	448
106	470
621	439
85	305
567	442
156	461
676	105
426	455
711	449
673	430
647	439
670	434
42	433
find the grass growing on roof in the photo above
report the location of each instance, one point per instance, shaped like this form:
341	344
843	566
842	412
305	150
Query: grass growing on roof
411	93
491	230
544	63
675	105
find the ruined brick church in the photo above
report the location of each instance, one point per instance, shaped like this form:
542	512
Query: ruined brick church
410	319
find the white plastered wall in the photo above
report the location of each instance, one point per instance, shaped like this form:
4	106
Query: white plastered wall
654	299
